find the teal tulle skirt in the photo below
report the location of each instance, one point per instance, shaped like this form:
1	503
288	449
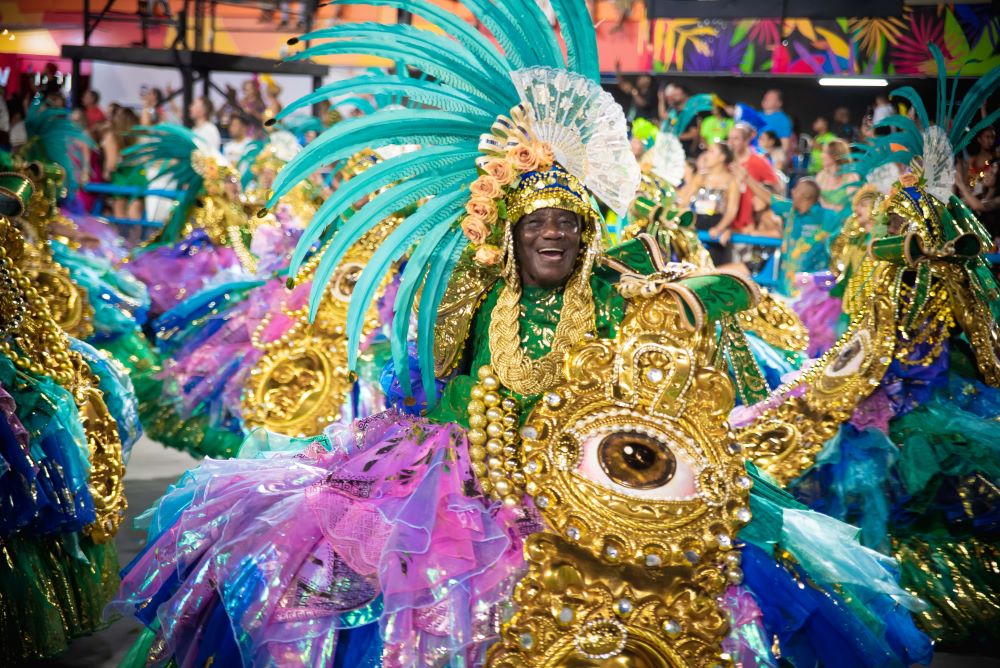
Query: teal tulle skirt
918	469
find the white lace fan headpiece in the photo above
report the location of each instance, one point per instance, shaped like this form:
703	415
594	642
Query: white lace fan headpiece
667	158
586	130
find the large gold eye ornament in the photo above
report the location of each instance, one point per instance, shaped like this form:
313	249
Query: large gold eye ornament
638	462
635	460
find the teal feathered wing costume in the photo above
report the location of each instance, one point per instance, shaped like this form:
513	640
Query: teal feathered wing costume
53	137
167	150
914	463
118	300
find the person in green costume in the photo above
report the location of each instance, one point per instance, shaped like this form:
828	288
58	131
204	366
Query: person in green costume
63	442
821	137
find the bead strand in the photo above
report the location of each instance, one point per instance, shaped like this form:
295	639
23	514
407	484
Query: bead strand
495	445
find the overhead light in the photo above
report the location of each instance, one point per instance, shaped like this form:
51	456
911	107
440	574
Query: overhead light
868	82
4	32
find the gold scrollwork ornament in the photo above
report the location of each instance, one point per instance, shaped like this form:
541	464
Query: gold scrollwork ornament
301	383
633	468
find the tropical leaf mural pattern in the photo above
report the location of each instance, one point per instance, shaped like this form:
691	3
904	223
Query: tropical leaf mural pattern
968	35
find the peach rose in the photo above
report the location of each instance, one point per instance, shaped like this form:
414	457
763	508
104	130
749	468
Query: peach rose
483	208
545	155
500	170
475	230
488	255
908	180
486	186
522	158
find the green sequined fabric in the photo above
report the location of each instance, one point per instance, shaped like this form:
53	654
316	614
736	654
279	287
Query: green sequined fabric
52	589
540	309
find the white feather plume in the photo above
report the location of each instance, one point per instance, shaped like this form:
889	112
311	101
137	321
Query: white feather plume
586	129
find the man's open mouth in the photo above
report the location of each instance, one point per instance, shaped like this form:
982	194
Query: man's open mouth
552	253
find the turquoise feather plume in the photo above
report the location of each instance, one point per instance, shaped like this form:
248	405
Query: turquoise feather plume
403	167
412	89
452	25
250	155
370	215
383	128
466	82
430	302
55	138
578	32
423	226
167	149
696	104
937	148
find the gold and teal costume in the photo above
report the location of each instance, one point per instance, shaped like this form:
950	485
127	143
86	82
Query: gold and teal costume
62	447
895	428
618	519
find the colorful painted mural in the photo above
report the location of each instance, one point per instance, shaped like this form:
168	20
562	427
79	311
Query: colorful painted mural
967	34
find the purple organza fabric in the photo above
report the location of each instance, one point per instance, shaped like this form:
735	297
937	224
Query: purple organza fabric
172	273
747	641
97	237
290	544
212	372
818	310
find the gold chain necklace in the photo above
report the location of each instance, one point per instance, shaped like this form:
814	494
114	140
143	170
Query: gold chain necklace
517	371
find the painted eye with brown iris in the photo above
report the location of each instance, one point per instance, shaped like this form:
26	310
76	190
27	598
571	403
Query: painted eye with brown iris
636	461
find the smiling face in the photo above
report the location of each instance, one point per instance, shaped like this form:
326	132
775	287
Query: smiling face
546	244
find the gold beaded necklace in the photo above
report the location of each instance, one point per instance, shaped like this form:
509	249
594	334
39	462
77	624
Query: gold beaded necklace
518	372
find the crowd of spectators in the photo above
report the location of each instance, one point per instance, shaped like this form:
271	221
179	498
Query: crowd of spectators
736	152
745	160
229	130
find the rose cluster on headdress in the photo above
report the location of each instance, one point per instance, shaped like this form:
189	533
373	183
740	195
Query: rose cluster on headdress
501	175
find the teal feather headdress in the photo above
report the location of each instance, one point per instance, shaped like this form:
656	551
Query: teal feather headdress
935	143
172	150
53	137
469	88
940	228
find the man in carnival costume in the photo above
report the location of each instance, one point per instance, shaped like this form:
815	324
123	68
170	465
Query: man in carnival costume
559	470
895	427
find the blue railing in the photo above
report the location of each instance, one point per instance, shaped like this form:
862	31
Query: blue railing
766	242
106	190
768	274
